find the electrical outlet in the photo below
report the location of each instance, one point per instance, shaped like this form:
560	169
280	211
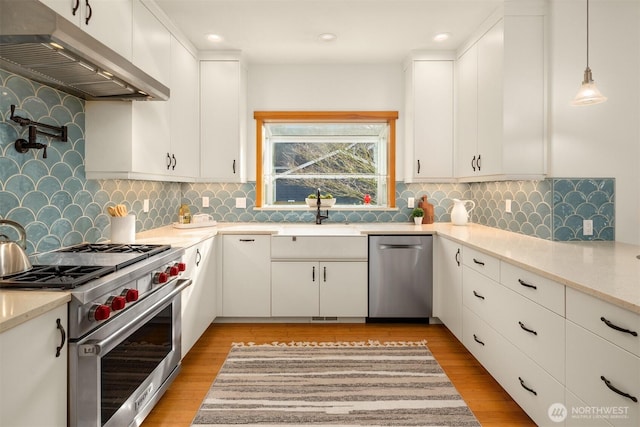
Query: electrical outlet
507	205
411	202
587	227
145	205
241	202
205	201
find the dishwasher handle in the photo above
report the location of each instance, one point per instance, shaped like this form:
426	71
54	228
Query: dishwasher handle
392	246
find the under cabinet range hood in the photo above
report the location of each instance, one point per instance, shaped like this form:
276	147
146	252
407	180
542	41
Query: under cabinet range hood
39	44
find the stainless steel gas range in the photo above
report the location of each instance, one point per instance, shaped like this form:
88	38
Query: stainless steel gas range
124	327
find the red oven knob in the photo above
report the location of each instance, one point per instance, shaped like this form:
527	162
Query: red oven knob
161	277
130	295
99	312
173	270
182	266
117	303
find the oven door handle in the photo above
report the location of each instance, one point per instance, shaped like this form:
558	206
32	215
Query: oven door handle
94	348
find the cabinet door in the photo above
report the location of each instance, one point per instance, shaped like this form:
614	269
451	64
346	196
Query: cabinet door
185	124
246	273
151	120
222	133
33	389
199	299
467	112
447	287
590	361
103	17
343	289
151	45
432	119
490	96
295	289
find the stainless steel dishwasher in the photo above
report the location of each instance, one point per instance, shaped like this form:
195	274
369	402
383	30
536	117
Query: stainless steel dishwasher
400	277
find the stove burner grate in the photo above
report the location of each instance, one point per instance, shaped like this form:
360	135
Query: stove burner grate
55	276
116	248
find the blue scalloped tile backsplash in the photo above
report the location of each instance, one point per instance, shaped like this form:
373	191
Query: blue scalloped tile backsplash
59	207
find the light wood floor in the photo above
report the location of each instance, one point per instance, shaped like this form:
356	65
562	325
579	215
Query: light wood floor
488	401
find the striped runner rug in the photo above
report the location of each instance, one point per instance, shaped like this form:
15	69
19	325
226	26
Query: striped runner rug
322	384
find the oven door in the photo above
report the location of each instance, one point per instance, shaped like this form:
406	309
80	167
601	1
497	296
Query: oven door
119	371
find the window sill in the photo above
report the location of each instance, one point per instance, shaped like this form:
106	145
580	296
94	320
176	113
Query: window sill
303	208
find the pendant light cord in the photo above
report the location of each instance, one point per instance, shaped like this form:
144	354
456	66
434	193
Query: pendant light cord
587	33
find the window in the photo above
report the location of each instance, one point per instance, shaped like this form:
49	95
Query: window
349	155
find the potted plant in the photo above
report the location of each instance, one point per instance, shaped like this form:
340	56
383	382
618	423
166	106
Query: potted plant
417	215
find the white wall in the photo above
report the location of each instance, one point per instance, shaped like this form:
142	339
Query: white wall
324	88
601	140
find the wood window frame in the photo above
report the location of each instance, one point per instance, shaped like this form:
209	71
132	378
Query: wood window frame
389	117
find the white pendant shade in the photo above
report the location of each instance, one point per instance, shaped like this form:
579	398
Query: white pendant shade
588	93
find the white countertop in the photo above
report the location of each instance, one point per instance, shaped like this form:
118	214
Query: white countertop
607	270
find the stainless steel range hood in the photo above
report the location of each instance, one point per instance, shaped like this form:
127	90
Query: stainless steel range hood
37	43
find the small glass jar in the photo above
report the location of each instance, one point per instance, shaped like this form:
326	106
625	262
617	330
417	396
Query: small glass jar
184	214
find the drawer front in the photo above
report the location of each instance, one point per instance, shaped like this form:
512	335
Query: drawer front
602	318
577	414
591	360
534	330
482	295
512	369
319	247
482	341
482	263
543	291
529	385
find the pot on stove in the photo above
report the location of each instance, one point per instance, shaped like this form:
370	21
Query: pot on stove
13	258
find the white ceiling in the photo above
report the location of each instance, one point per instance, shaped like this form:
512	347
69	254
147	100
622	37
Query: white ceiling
368	31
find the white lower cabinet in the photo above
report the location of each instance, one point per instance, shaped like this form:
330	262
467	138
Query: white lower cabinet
604	376
319	276
199	299
33	389
328	289
447	284
246	274
527	383
519	340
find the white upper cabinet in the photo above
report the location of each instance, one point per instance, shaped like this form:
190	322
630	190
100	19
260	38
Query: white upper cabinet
429	120
154	140
151	44
223	120
500	124
109	21
184	108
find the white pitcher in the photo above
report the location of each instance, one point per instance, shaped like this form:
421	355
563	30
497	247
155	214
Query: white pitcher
459	214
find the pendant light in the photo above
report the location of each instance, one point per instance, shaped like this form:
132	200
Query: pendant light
588	93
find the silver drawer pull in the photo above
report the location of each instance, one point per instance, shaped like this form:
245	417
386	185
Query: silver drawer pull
618	328
615	390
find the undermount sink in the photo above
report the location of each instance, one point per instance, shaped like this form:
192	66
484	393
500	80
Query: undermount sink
319	230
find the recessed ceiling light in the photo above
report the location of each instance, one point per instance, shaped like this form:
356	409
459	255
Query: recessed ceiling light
216	38
440	37
327	37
